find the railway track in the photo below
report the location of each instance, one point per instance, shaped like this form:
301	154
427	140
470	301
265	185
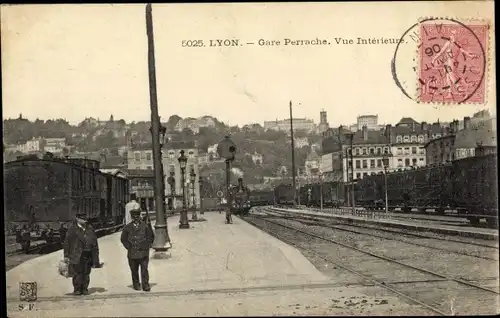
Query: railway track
293	215
409	271
343	227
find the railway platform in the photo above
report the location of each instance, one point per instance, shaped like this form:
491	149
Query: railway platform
214	269
417	223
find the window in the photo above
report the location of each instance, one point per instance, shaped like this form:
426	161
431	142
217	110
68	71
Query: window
407	162
421	159
349	151
372	163
358	164
137	156
400	151
414	161
379	150
171	154
399	139
148	156
413	150
400	162
358	175
406	138
149	167
364	151
407	150
372	151
386	150
365	164
421	150
420	138
365	174
191	153
357	151
379	163
413	138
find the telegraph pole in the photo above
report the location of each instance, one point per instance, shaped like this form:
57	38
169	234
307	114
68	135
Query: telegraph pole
293	156
161	230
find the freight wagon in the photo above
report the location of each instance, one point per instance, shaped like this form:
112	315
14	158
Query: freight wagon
468	185
284	194
333	194
43	195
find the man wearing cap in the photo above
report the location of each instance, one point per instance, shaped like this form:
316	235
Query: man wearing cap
131	205
81	251
137	237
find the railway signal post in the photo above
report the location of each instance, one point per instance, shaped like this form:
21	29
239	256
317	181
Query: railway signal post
227	149
161	229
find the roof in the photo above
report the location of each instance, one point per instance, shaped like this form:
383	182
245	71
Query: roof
115	172
374	137
407	120
143	173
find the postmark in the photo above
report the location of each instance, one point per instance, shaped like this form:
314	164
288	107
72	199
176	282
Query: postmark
28	291
443	61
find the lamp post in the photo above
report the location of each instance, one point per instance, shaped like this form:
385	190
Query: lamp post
183	222
385	160
350	137
227	149
192	178
161	230
309	191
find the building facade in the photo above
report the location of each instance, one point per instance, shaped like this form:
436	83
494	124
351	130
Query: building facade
323	122
368	121
284	125
142	159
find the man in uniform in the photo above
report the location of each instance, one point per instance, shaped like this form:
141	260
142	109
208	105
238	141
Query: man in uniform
81	251
137	237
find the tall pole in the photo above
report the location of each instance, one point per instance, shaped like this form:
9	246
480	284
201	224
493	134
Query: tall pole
321	191
386	200
293	155
352	176
228	189
161	230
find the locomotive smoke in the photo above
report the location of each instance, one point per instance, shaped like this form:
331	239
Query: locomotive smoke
237	172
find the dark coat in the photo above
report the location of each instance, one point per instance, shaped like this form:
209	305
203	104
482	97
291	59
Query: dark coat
137	240
74	243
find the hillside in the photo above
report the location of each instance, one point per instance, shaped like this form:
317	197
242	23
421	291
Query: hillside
108	136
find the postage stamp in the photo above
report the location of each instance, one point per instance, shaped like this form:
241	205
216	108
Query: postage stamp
443	61
452	62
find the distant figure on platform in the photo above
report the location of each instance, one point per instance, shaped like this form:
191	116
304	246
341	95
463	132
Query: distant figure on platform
131	205
137	237
81	252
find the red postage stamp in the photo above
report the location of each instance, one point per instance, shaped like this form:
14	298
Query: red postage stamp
452	63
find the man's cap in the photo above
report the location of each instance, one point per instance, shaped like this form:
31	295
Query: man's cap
81	215
135	212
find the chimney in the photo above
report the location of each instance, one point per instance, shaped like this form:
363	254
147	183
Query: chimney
423	126
365	133
388	132
466	122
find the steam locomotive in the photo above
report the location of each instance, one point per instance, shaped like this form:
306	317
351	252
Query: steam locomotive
42	195
240	198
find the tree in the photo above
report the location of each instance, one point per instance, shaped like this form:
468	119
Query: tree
172	122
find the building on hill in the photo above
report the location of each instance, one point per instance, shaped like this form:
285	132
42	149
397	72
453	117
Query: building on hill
323	122
370	121
284	125
311	163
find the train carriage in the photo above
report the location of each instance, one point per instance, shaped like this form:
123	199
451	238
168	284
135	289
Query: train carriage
284	194
43	195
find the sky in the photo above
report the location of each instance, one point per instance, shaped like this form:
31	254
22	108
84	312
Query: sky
78	61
